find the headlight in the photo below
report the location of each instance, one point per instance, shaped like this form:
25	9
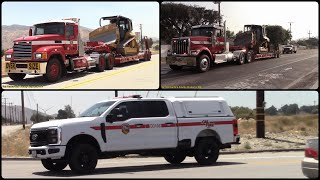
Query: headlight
8	56
38	56
54	135
169	52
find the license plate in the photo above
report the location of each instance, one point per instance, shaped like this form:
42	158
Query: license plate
11	65
34	153
34	66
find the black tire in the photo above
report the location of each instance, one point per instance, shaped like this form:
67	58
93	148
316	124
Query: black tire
206	151
16	76
109	61
203	63
53	70
175	67
175	158
54	165
249	57
101	66
83	159
241	59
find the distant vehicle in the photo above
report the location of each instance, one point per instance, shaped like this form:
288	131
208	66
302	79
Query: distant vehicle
289	49
310	163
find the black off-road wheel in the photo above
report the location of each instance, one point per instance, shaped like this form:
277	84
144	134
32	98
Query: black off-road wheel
54	165
206	151
175	158
53	70
16	76
83	159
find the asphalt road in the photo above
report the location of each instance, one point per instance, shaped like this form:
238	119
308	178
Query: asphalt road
290	71
254	165
132	75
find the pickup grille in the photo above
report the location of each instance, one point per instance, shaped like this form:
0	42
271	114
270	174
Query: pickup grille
38	138
22	50
180	46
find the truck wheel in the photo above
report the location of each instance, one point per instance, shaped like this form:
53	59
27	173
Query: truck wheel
241	59
175	67
203	63
101	66
83	159
53	71
16	76
250	57
175	158
207	151
54	165
109	61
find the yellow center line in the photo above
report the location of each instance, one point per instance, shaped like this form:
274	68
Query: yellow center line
109	75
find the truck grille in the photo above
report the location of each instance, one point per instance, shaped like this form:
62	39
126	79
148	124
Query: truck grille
22	50
180	46
38	138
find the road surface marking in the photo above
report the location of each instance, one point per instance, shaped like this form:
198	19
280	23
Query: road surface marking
299	79
108	75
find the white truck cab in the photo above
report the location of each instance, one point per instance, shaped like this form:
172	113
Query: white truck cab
170	127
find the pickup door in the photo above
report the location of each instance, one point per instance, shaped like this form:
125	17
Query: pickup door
142	124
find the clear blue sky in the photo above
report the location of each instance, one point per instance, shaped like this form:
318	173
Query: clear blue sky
28	13
83	99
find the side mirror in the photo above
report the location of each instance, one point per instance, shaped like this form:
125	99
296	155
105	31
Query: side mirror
30	32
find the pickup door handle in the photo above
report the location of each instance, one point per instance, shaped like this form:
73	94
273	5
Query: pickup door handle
169	123
138	125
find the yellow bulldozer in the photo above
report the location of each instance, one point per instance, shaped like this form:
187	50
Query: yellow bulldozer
117	35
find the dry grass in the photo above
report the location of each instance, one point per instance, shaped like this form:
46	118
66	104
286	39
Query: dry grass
16	144
303	124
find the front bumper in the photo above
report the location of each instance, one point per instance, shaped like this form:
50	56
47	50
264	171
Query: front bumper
310	167
182	60
44	152
26	67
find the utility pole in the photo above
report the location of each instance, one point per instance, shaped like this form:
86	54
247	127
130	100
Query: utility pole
37	113
22	110
10	113
116	93
309	34
141	36
218	2
260	128
5	110
16	115
290	30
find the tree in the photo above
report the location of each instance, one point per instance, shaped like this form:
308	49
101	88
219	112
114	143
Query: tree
150	42
156	47
2	52
271	111
36	118
277	34
177	19
66	113
230	34
290	109
243	112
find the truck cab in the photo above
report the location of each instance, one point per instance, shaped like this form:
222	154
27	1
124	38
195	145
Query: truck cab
170	127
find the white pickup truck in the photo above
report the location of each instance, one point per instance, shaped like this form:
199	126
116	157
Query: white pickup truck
170	127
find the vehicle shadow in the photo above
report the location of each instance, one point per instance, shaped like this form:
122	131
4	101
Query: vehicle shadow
132	169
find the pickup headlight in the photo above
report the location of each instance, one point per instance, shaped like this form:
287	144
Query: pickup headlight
54	135
8	56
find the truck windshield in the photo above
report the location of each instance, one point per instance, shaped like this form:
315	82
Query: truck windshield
202	32
97	109
49	28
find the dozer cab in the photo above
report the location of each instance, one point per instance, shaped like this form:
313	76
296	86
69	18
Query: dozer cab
117	34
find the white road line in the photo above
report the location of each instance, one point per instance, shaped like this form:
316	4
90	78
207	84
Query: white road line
299	79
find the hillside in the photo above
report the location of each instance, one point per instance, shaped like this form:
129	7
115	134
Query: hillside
9	33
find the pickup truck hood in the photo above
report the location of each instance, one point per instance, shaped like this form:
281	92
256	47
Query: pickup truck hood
61	122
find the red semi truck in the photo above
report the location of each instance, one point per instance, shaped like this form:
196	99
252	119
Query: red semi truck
208	45
55	48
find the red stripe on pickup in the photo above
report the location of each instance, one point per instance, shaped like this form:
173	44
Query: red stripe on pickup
165	125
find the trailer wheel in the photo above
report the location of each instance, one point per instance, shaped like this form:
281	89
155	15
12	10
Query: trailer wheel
109	61
250	57
83	159
203	63
53	70
175	158
16	76
206	151
54	165
175	67
241	59
101	66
